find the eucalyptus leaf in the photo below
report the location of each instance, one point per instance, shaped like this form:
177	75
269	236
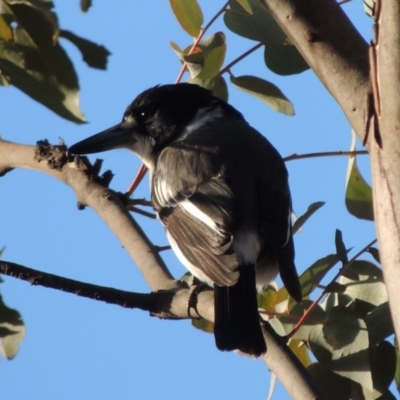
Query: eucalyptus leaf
85	5
38	65
340	247
203	325
379	323
317	316
341	345
214	50
194	61
268	298
358	192
284	59
333	386
300	350
93	54
375	253
265	91
12	330
246	6
312	208
313	275
383	366
216	84
259	25
370	286
189	15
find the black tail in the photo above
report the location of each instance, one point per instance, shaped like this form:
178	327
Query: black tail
237	321
288	272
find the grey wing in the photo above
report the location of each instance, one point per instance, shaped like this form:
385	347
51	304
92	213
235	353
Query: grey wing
199	217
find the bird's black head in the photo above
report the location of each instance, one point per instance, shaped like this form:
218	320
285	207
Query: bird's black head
155	118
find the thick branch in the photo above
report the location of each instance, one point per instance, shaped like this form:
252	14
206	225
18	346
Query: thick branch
287	367
104	201
386	158
333	48
173	304
163	303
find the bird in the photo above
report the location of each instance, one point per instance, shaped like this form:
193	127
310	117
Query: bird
221	191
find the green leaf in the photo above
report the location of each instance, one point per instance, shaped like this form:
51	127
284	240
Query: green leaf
335	287
189	15
203	325
259	26
358	192
341	345
313	275
246	5
350	274
214	50
12	330
5	30
206	59
85	5
300	351
379	323
383	366
265	91
284	59
333	386
312	208
317	316
93	54
268	298
340	247
216	84
370	287
194	61
375	253
38	65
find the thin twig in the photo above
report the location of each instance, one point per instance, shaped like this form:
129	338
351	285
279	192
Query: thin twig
162	248
324	154
240	58
166	304
88	290
199	37
140	202
142	212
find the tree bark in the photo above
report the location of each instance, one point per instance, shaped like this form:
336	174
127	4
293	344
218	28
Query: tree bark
339	57
385	152
333	48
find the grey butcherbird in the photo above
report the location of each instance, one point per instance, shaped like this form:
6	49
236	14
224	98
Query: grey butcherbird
221	191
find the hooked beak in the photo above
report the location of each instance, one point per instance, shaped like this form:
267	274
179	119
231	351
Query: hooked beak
116	137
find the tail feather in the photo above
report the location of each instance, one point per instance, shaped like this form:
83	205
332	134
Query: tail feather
237	321
288	272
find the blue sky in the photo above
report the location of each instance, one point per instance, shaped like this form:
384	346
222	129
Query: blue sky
81	349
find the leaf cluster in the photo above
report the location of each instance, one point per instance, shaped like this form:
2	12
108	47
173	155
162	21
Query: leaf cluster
33	59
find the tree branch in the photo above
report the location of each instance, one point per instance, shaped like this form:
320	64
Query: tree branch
333	48
52	160
287	367
296	156
173	304
385	149
169	304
